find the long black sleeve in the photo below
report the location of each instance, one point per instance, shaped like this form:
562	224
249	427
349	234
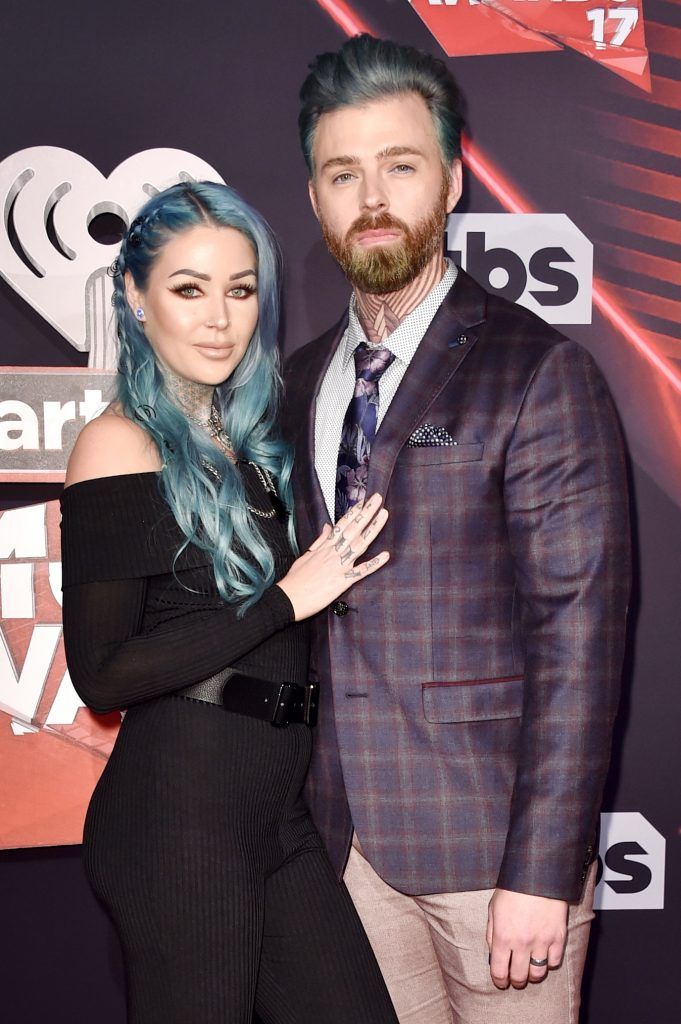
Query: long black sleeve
141	621
113	665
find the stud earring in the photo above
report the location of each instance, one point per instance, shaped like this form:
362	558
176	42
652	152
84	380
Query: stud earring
139	313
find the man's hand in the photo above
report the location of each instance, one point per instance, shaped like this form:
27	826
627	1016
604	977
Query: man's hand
520	926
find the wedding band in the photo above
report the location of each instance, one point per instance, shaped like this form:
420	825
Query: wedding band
539	963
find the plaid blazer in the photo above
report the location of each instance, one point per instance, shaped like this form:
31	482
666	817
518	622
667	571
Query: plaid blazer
468	694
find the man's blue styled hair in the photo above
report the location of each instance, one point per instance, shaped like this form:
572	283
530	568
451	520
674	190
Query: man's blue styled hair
366	69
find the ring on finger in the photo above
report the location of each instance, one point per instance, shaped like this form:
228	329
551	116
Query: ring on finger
539	963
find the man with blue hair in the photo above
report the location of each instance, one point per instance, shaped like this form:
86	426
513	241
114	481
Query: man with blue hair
468	690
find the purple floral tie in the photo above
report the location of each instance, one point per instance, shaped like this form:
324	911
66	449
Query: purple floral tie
359	427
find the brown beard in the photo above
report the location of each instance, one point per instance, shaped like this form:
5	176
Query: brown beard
382	269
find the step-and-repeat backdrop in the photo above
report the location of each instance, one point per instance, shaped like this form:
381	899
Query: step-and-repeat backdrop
572	207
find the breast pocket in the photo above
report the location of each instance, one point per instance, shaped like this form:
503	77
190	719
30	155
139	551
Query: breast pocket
442	454
473	700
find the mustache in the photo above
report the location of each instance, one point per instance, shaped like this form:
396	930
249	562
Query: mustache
376	222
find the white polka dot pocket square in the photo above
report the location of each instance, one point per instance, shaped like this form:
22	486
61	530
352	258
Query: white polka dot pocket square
429	435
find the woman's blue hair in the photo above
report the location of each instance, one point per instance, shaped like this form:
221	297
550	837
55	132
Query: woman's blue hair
366	69
212	513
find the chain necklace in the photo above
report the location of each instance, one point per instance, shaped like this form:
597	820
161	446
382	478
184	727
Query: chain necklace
219	434
213	426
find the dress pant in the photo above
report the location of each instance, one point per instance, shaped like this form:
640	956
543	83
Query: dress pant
433	955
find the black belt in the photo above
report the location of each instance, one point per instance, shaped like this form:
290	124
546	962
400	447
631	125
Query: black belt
278	703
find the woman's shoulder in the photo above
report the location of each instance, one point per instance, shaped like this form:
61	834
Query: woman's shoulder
111	445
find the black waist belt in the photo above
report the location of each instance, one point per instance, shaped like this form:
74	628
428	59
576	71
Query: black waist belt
278	703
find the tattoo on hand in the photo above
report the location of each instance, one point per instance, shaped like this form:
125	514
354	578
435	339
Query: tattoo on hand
352	574
339	543
347	555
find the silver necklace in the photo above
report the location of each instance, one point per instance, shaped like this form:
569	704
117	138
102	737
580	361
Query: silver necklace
218	433
213	426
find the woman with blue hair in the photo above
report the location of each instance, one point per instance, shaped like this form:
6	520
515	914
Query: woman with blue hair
184	604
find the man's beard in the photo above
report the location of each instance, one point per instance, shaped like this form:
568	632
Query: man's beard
388	268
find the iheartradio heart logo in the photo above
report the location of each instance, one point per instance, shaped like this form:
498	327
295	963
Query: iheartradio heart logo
49	252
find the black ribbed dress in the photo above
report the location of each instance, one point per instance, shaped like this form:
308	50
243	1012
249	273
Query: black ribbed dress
197	839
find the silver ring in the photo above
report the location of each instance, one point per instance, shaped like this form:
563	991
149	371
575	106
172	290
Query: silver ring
539	963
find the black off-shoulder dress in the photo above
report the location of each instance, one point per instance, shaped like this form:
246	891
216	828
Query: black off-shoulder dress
197	839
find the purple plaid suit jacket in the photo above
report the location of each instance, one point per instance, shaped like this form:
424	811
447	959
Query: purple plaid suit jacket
468	695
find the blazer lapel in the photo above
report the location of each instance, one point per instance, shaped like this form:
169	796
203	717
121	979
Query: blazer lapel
450	337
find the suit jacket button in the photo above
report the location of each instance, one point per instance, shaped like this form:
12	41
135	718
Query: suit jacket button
341	608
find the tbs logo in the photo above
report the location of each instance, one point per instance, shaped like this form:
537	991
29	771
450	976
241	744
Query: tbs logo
631	862
541	261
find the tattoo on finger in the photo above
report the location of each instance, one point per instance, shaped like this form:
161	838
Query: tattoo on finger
347	555
352	574
339	543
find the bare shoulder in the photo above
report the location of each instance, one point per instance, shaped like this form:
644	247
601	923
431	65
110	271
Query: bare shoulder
111	445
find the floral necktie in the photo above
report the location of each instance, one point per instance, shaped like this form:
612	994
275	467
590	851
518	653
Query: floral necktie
359	426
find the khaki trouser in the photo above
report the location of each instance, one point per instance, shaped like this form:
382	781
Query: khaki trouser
434	956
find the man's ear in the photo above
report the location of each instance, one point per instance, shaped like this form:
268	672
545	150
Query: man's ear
312	192
455	185
132	293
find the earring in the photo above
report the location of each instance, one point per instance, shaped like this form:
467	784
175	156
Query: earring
139	313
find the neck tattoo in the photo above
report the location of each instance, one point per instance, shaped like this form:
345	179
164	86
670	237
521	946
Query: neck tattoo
380	315
195	400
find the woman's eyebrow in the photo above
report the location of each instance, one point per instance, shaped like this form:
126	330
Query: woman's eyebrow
206	277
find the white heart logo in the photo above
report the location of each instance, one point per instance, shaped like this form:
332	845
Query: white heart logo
50	197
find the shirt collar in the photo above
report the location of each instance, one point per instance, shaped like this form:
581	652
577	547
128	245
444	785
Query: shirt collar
405	339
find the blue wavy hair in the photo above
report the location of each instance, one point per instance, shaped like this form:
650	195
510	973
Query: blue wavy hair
211	513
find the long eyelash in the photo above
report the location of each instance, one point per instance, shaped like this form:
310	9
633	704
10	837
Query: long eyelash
182	287
249	287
